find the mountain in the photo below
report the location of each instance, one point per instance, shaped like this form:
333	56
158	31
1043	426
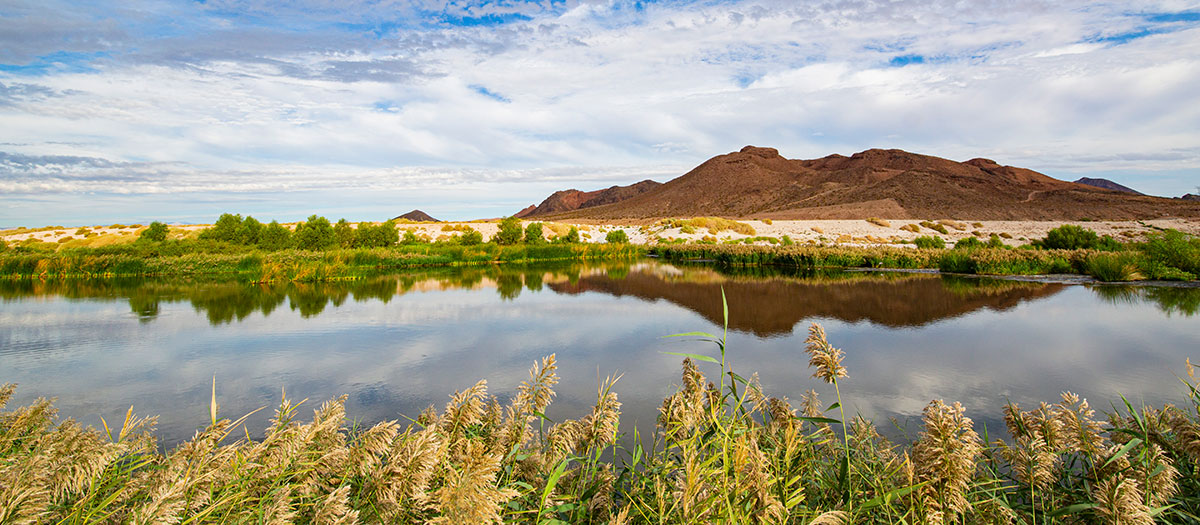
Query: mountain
525	212
1107	184
1190	197
760	183
417	216
568	200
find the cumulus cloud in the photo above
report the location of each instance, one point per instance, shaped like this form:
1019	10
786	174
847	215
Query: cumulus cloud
272	91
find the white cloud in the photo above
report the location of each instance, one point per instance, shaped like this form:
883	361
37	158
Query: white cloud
595	85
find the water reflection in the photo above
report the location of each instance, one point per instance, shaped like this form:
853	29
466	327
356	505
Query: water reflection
397	344
772	300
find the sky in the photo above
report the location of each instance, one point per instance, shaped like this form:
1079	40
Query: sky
138	110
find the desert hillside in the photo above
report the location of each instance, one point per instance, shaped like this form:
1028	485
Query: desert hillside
760	183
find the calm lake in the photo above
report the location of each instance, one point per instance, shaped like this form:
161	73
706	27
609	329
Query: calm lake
396	344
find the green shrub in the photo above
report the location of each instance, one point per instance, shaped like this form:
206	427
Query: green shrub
510	232
315	234
343	234
157	232
968	243
533	233
616	237
410	238
1069	237
225	229
274	237
1111	267
471	237
1173	249
929	241
249	231
572	235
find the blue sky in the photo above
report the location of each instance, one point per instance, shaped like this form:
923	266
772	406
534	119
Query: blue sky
180	110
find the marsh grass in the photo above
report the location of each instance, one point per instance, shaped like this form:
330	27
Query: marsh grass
1130	265
720	453
169	259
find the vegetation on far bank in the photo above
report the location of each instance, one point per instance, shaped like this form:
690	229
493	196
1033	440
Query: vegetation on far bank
1166	255
723	451
319	250
315	250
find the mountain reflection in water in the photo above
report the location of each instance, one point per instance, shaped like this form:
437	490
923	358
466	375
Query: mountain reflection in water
396	344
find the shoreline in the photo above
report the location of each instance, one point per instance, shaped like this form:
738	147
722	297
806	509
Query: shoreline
842	232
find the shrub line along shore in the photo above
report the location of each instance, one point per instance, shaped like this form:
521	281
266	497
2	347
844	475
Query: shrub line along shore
317	250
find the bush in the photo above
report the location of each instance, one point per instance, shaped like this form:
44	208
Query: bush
275	236
929	241
1069	237
968	243
616	237
533	233
510	232
249	231
225	229
410	238
1111	267
935	227
343	234
1173	249
315	234
157	232
571	237
471	237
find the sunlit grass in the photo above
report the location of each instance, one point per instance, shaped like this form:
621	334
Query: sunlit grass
720	453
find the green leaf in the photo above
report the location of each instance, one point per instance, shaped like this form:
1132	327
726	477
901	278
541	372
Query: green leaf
817	419
543	416
693	334
1124	450
738	378
1073	509
697	357
890	495
833	406
550	483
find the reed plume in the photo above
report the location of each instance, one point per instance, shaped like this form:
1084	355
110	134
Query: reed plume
944	456
826	359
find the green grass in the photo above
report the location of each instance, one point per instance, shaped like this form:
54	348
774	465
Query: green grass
723	451
1168	257
220	259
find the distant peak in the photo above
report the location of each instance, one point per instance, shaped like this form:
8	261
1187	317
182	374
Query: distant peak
766	153
983	163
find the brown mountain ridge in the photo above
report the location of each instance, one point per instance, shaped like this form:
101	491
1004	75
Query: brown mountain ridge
568	200
760	183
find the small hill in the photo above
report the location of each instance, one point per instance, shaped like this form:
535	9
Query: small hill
568	200
760	183
1107	184
525	212
417	216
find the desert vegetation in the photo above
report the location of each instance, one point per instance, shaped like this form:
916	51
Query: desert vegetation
1166	255
722	451
315	250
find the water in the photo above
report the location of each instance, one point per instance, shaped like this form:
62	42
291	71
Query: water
395	345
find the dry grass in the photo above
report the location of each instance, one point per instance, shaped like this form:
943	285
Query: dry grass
721	453
714	225
960	226
879	222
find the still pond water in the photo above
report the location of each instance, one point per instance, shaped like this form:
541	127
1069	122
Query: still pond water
396	344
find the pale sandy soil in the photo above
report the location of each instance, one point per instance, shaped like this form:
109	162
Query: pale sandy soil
847	232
